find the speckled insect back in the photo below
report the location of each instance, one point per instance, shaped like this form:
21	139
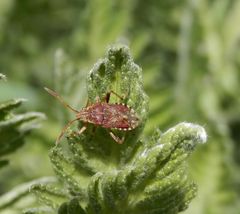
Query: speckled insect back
116	74
109	116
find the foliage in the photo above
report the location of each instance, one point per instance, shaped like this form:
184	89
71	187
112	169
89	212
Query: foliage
101	176
189	51
13	127
18	198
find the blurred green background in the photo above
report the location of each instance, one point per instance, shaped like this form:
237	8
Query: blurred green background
190	54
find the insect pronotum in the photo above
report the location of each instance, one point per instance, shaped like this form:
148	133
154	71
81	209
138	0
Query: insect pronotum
102	113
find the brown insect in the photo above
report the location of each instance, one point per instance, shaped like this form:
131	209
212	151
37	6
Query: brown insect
102	113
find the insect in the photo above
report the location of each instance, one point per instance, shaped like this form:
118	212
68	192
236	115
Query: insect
102	113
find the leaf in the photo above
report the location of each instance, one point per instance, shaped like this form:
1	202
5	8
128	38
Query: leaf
138	176
71	207
13	127
13	130
10	104
49	194
18	192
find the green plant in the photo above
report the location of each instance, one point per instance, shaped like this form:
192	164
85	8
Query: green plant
14	127
189	52
97	175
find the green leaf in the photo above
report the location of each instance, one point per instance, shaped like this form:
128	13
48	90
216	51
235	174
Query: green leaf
71	207
17	193
14	127
139	176
10	104
50	194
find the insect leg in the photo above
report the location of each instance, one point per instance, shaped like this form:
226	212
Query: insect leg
64	129
107	98
116	138
82	130
79	132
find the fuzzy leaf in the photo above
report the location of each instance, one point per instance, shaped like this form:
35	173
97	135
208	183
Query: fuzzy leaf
71	207
13	196
13	130
13	127
138	176
49	194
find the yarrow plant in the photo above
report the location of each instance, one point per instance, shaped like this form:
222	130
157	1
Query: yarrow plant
99	176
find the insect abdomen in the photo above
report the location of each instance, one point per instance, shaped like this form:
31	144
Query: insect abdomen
110	116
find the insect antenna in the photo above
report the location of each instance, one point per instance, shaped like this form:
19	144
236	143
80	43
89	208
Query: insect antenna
56	95
64	129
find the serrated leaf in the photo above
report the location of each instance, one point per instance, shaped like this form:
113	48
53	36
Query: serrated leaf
13	130
14	127
10	104
49	194
71	207
10	198
147	176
